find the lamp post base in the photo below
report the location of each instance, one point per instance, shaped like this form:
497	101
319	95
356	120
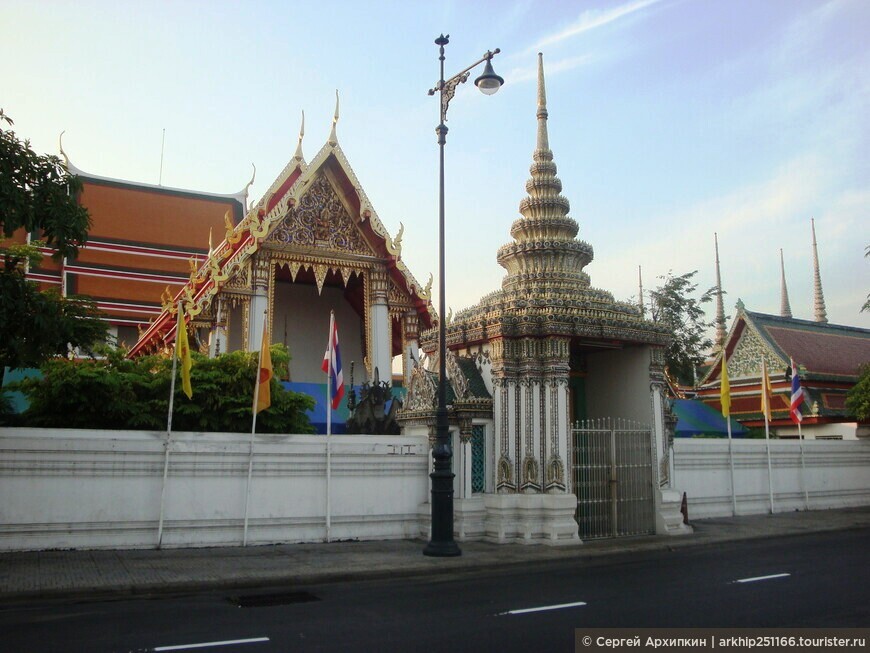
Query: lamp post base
442	549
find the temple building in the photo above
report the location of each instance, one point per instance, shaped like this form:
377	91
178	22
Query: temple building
828	357
529	360
312	244
141	241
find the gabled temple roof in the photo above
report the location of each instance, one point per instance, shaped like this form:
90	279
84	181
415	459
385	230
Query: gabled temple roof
823	351
247	237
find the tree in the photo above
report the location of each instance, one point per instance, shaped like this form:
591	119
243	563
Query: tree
38	194
675	305
134	394
858	397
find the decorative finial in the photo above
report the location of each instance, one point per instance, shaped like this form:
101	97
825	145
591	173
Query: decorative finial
740	306
784	305
210	246
821	314
543	139
720	307
333	138
298	156
60	146
248	185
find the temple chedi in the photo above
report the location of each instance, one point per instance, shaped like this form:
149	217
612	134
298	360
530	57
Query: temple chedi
527	361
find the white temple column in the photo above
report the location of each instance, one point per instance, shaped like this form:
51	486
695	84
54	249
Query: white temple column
658	409
262	271
381	333
410	356
217	343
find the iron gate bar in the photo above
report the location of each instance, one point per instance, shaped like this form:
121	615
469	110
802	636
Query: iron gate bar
613	478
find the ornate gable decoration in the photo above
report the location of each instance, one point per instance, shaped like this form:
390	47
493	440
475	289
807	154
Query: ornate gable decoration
320	220
746	359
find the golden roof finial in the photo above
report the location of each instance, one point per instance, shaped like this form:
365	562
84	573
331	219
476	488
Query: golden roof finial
333	138
60	146
298	156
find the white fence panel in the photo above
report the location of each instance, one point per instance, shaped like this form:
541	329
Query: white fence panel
65	488
834	474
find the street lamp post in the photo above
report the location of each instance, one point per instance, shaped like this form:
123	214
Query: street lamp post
441	542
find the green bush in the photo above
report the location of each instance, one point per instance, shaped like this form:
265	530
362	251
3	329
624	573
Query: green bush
117	393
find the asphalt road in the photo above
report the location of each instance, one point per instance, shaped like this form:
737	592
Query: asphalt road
809	581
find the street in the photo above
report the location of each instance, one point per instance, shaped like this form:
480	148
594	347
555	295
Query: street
818	580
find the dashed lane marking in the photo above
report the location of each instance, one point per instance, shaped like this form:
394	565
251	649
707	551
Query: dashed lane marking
543	608
183	647
757	578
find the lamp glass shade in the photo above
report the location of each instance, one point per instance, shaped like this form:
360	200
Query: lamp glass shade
488	82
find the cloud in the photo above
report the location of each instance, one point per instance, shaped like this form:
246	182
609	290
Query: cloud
592	19
529	73
753	222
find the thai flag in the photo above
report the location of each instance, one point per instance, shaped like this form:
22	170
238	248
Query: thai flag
332	364
797	395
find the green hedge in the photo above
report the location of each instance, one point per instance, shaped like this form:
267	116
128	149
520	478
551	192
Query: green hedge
117	393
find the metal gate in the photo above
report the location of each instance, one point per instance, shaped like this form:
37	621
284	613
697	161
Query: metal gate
613	478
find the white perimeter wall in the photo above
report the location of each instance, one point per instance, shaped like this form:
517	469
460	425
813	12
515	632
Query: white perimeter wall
65	488
617	384
836	475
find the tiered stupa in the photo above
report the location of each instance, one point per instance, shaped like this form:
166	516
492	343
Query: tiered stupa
550	349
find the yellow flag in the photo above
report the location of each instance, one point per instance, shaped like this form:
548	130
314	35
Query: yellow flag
765	390
264	376
725	390
182	351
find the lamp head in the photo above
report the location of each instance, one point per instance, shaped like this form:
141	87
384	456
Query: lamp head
488	82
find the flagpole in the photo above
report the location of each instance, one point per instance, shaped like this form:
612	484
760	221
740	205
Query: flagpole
795	402
251	443
725	402
329	428
168	437
764	385
731	464
803	469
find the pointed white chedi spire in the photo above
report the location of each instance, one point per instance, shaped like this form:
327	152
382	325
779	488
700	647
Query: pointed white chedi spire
720	307
545	252
784	305
640	291
821	314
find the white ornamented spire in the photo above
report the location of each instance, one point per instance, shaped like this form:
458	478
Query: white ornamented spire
545	252
821	314
784	305
640	291
720	307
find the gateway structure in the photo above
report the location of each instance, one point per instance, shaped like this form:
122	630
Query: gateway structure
528	361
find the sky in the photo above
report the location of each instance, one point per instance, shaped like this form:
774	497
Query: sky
670	120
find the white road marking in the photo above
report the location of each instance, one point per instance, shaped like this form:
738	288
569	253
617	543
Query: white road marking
546	607
181	647
752	580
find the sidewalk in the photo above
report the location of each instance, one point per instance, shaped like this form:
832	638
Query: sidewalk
123	573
